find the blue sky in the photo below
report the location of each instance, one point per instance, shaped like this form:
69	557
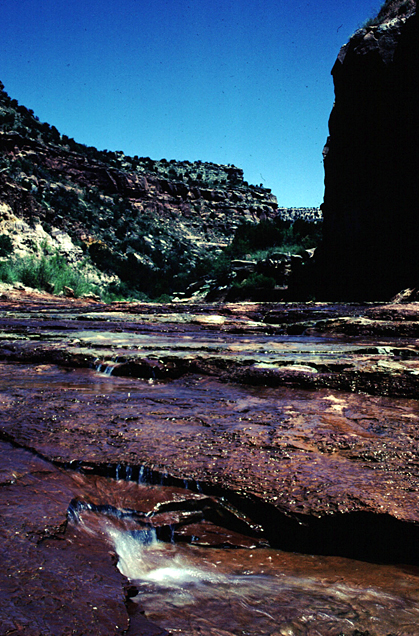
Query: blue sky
244	82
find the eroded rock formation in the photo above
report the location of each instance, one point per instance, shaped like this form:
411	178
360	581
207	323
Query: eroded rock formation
140	220
371	216
255	434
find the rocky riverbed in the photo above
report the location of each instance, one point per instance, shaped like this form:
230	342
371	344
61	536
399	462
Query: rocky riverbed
208	469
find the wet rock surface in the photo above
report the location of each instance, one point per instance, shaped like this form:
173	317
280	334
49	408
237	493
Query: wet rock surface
368	348
216	427
53	579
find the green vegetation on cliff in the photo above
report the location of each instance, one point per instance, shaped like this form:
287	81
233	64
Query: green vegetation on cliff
390	9
148	227
49	273
45	269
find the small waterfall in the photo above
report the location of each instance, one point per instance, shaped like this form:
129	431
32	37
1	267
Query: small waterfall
266	590
105	367
142	558
172	533
125	472
144	475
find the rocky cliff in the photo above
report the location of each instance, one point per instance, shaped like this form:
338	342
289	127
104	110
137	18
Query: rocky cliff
150	224
370	209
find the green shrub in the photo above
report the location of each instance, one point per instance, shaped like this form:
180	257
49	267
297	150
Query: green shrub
256	281
6	245
46	273
6	272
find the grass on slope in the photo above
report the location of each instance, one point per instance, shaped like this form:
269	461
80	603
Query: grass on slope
47	272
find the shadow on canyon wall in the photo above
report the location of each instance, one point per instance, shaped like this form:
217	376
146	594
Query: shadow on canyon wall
370	209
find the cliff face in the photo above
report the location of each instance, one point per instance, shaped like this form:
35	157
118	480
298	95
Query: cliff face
371	203
148	223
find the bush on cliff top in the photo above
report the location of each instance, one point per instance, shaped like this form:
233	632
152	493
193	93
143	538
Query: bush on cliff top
390	9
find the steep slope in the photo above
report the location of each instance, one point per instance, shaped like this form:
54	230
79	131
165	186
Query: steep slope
150	224
370	209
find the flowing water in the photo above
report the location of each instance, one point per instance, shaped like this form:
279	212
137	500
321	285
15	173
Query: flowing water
190	589
196	563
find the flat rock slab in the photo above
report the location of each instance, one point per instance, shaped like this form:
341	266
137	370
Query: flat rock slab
54	580
350	348
222	402
306	454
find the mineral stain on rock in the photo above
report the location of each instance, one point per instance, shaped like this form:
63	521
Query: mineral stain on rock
238	468
188	491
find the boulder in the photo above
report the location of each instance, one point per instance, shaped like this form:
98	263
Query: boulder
68	292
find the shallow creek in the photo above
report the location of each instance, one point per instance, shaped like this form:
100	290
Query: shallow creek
194	589
199	468
186	582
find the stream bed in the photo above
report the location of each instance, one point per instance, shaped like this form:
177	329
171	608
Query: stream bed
195	588
207	474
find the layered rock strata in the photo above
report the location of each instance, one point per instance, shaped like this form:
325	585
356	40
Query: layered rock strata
291	424
137	220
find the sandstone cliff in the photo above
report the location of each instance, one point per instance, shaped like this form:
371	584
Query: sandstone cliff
149	224
370	209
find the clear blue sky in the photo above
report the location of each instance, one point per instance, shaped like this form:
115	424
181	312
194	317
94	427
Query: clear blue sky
244	82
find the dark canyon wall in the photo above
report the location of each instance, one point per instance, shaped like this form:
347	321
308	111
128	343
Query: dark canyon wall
371	203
